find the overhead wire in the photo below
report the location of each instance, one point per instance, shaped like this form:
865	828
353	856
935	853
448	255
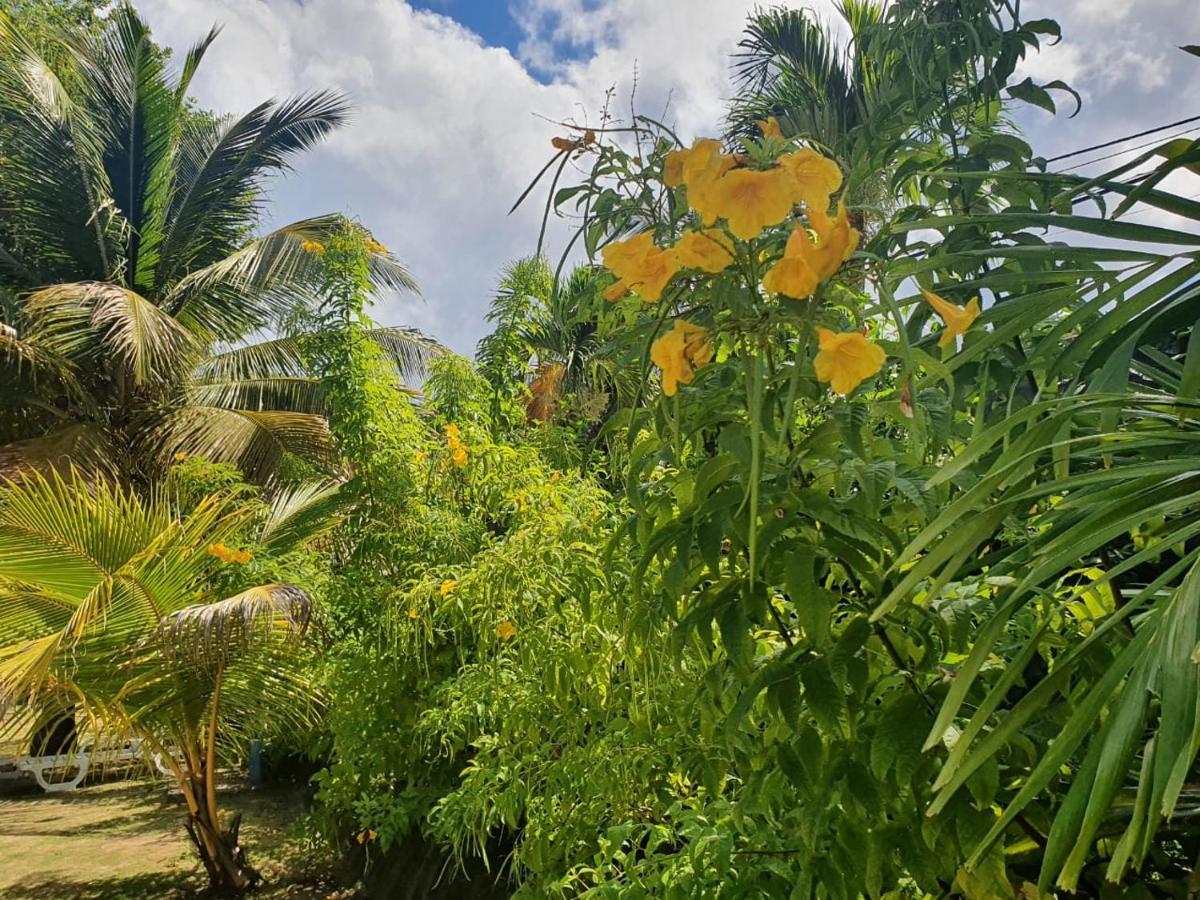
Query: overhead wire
1129	149
1121	140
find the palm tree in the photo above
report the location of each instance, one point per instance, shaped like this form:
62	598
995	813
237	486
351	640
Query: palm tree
548	336
792	66
106	609
867	90
130	281
818	84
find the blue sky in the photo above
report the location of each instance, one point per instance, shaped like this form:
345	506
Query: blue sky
490	19
456	102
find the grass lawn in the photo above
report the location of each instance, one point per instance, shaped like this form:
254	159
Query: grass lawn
126	839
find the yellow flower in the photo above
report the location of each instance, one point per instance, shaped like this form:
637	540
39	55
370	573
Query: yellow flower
459	456
412	613
816	176
751	200
846	359
554	476
180	456
708	251
230	555
447	586
640	266
452	432
702	162
956	318
506	630
420	456
806	262
699	169
375	247
679	353
313	247
770	128
673	168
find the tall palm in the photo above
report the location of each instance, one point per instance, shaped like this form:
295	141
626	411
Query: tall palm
566	340
817	82
551	331
106	609
129	276
793	66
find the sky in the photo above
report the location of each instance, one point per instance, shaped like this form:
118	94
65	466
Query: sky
456	102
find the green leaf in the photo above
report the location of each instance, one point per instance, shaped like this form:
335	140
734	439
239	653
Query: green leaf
825	698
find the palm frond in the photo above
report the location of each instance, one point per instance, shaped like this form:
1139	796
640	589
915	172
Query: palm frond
86	445
98	320
277	362
61	214
122	79
210	209
210	634
267	280
294	394
254	441
302	513
793	67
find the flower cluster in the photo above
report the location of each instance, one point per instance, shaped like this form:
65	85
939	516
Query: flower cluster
458	450
315	247
229	555
736	198
679	353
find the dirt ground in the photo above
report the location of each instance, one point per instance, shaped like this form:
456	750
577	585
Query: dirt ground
125	839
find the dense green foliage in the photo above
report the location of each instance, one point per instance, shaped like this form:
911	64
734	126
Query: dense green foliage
798	580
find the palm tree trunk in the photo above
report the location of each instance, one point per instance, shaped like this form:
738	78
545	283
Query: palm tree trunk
223	857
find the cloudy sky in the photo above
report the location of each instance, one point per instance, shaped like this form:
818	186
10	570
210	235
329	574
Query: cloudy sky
455	102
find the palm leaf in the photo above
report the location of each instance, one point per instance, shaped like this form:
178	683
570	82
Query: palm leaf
254	441
209	209
98	320
54	178
210	634
299	514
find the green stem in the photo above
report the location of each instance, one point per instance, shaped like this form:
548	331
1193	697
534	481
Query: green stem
754	399
889	300
678	444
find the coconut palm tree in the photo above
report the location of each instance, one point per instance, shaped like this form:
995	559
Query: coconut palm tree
107	612
130	279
